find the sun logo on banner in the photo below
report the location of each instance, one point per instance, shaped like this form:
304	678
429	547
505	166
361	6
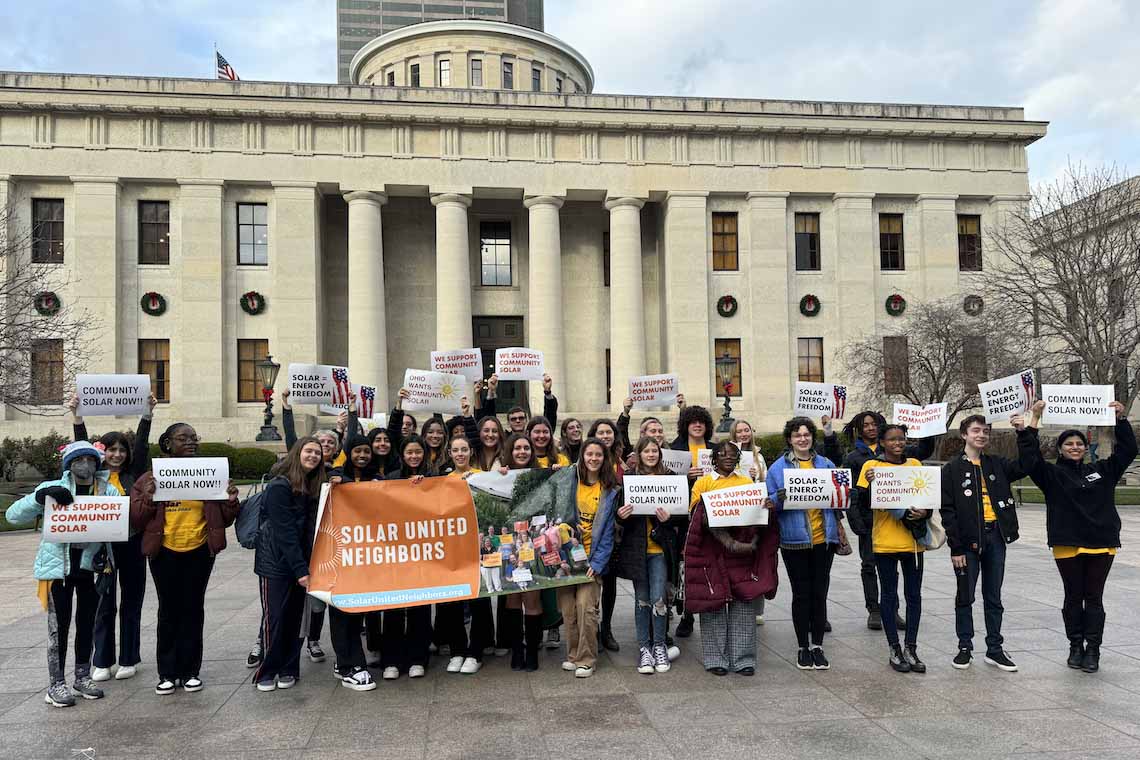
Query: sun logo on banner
921	484
447	390
328	533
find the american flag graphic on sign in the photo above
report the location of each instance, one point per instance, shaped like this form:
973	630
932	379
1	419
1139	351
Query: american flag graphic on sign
366	401
841	482
840	406
1029	388
341	386
225	70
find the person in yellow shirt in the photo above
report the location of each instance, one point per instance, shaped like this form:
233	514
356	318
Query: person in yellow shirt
546	453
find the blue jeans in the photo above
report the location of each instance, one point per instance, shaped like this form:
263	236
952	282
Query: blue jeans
990	564
649	608
888	566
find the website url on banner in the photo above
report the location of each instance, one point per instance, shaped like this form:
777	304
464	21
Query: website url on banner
404	596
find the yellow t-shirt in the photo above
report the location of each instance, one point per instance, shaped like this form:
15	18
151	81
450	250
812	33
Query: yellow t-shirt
544	462
114	480
888	535
588	498
706	483
987	505
458	474
185	526
1068	552
564	534
694	452
815	516
651	546
339	459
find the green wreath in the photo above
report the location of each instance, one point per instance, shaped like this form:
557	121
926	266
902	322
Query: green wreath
896	305
726	306
810	305
47	303
252	303
153	304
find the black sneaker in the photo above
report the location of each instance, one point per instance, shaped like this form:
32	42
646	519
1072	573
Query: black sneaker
1001	661
607	641
827	626
911	654
1076	655
897	661
874	621
253	659
804	660
316	654
818	660
1090	663
963	659
685	627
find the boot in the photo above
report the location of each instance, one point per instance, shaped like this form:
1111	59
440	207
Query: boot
897	660
1076	654
532	626
512	636
1090	663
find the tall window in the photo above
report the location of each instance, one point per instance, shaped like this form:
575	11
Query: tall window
536	79
414	75
495	253
154	232
154	360
1116	297
974	364
444	79
811	359
508	75
969	243
807	243
250	352
1075	373
609	389
253	233
891	254
476	72
47	372
896	363
730	346
725	258
47	231
391	79
606	258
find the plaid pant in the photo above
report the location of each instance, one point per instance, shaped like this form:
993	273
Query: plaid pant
728	637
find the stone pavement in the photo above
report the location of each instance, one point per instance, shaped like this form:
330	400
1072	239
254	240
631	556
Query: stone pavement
858	709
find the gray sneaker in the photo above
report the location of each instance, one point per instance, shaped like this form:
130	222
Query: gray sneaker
58	695
86	688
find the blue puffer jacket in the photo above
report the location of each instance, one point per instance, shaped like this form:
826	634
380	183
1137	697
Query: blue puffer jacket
795	527
53	560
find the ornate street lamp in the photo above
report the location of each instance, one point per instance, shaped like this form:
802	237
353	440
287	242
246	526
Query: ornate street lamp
725	367
267	370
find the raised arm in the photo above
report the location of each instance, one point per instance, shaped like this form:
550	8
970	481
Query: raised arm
140	451
623	426
78	426
549	403
1124	452
1029	445
287	423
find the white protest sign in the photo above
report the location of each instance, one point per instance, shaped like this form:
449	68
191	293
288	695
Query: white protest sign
522	575
538	520
1078	405
87	519
922	421
645	493
315	384
466	361
649	391
519	364
677	462
906	488
747	460
704	460
817	399
199	478
110	395
739	505
378	420
817	489
1007	396
433	391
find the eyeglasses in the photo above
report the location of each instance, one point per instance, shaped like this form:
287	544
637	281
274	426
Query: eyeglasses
186	439
517	418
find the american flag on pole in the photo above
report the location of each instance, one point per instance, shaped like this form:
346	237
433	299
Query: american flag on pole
366	400
1029	387
841	482
839	407
341	386
225	70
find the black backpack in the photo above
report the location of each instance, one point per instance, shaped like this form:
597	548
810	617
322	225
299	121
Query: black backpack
248	523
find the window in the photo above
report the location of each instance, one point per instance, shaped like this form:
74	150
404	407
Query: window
495	253
47	231
253	233
974	364
969	243
444	73
606	259
896	364
414	78
807	243
811	359
558	84
154	360
250	352
1074	373
725	257
1036	319
476	72
536	79
154	232
508	75
391	79
47	372
609	390
730	346
891	242
1116	297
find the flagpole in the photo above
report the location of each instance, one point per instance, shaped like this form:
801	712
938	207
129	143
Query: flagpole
214	63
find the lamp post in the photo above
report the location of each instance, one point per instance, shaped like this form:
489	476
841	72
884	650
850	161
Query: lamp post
267	370
725	365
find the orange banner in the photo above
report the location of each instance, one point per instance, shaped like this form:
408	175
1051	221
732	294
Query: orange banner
387	544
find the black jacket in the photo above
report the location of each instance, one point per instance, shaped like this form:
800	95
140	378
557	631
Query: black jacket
963	515
859	513
1080	504
628	560
549	409
285	540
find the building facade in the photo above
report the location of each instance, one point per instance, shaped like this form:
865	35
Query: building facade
383	222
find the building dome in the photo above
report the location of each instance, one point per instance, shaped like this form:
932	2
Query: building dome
472	54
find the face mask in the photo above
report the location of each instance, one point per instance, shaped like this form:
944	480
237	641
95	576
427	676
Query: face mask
83	468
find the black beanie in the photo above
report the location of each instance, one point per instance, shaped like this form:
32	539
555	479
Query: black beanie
1069	434
354	441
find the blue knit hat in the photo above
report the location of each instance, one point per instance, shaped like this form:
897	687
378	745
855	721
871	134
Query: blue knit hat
81	449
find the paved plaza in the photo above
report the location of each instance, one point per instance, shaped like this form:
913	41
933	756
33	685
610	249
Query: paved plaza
858	709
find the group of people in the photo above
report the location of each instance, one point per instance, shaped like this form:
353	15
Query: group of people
721	575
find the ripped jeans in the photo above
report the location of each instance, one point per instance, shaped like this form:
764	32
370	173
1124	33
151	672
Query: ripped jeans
649	608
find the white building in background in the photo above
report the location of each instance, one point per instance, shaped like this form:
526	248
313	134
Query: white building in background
470	189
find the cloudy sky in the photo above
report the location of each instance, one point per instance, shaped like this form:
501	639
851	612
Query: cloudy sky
1074	63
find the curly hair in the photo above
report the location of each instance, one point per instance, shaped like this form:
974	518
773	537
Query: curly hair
691	414
794	424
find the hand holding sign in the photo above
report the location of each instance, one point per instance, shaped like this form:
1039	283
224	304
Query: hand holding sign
645	494
1078	405
112	395
739	505
648	391
817	399
1007	396
906	487
433	391
86	519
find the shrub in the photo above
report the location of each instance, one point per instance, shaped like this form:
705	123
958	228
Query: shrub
771	445
9	458
491	511
43	454
251	463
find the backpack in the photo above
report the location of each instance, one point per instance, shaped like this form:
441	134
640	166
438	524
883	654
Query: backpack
936	534
248	522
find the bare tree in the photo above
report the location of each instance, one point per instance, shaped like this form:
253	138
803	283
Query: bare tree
54	331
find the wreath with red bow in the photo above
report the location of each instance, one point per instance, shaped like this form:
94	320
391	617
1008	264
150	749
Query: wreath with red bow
252	303
153	304
47	303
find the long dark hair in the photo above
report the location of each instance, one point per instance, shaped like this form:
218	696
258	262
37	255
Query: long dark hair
640	469
115	438
508	452
617	452
607	476
484	455
692	414
435	456
552	447
303	483
425	466
564	445
388	461
853	430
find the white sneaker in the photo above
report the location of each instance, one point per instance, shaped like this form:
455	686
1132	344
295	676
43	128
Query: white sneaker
583	672
358	680
100	674
286	682
193	683
470	665
645	662
569	666
391	673
455	664
266	685
416	671
124	672
759	620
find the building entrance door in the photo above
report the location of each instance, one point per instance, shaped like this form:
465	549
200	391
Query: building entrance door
500	332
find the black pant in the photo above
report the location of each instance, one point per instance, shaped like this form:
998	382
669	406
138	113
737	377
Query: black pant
482	628
1084	577
609	599
344	630
868	574
449	629
81	585
180	578
372	621
989	564
809	571
130	569
888	564
316	620
283	603
405	637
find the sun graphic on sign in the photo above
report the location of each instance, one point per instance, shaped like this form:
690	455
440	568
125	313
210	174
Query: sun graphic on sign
447	390
329	533
921	483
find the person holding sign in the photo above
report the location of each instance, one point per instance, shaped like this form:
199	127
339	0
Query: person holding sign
181	539
1081	523
726	570
895	539
745	439
694	432
68	574
808	540
605	431
980	520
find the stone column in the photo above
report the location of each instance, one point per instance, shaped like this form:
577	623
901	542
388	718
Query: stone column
688	348
773	367
295	253
627	303
857	257
8	231
95	263
938	257
197	354
544	309
452	272
367	321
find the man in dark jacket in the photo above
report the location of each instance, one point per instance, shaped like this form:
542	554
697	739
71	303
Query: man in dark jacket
980	520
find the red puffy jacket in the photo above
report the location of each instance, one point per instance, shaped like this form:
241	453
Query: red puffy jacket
713	577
